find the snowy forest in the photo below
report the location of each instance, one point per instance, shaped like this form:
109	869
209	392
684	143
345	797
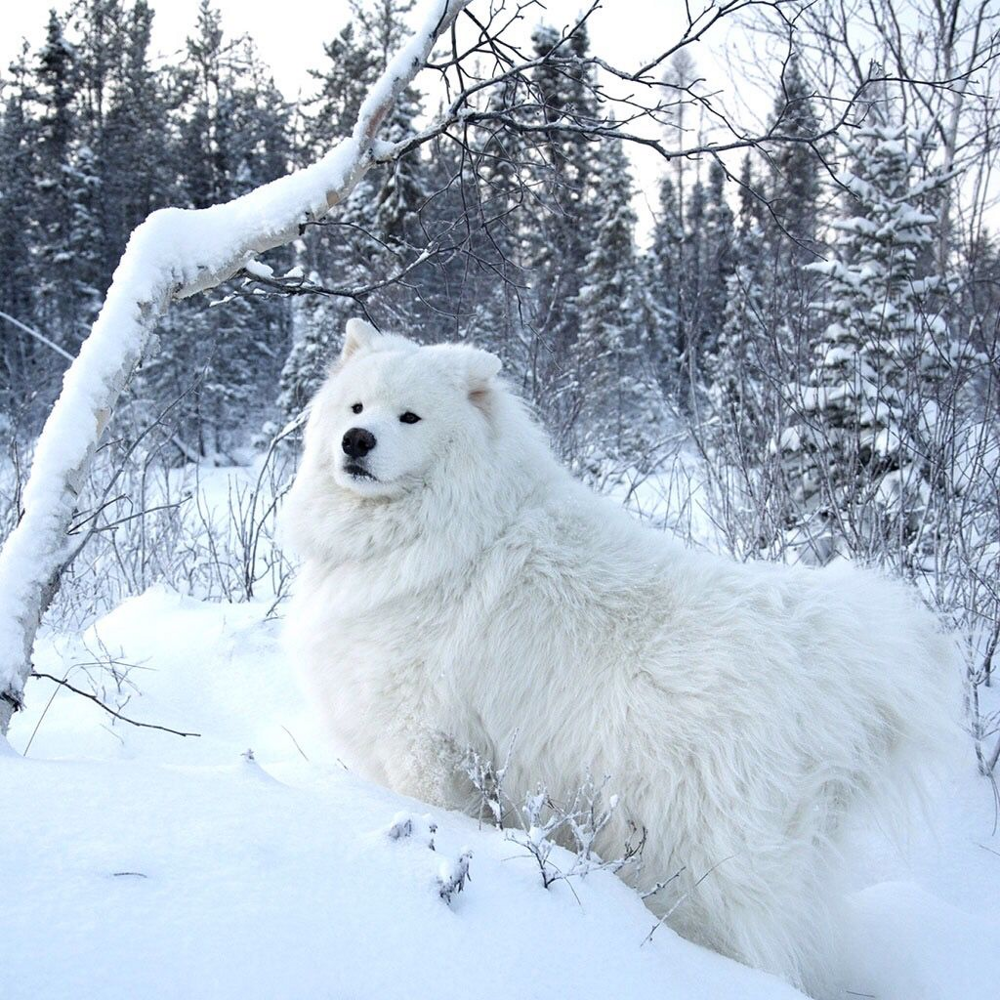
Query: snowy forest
774	332
815	315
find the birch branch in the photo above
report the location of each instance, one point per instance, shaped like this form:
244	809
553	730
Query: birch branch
172	255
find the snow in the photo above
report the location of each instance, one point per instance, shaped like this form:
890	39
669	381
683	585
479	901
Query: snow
145	865
142	864
258	269
931	949
435	16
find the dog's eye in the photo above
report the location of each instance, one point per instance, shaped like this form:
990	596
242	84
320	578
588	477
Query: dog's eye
357	408
408	418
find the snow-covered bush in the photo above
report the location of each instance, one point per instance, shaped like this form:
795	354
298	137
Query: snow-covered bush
203	530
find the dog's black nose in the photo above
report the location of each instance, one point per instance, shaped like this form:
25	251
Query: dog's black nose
358	442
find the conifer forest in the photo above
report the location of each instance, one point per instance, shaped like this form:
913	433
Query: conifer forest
783	329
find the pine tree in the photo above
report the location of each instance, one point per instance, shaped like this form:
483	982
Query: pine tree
55	89
716	266
693	258
793	188
138	167
22	360
560	242
85	235
666	281
870	399
348	71
742	357
613	390
790	226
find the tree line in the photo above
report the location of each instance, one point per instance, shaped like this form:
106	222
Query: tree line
813	314
797	304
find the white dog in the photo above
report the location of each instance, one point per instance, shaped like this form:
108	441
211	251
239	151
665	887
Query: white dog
458	586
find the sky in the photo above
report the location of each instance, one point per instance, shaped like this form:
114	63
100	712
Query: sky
290	37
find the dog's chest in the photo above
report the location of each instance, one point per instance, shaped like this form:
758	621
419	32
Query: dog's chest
377	653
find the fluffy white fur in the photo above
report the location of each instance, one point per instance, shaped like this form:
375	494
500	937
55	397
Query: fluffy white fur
473	589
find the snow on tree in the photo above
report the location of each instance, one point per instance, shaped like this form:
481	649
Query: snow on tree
613	387
561	240
174	254
790	226
870	404
664	270
793	188
714	263
735	365
56	85
702	263
20	366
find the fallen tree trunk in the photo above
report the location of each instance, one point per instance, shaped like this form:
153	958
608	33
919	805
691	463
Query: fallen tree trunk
172	255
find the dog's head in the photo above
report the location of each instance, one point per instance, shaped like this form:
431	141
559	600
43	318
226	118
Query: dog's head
392	412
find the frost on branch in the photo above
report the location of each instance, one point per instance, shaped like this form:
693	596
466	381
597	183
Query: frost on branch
576	826
454	875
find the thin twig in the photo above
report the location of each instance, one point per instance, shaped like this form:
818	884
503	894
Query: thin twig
108	708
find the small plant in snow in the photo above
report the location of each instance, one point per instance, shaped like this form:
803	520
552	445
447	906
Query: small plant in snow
488	780
576	826
542	823
421	828
454	875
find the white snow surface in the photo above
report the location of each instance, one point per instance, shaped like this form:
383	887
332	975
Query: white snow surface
141	864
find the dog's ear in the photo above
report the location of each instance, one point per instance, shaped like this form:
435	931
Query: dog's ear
481	369
358	336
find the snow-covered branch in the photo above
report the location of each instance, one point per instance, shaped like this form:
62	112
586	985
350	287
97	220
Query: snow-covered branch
172	255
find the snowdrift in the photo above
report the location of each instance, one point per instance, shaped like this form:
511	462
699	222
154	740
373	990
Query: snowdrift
142	864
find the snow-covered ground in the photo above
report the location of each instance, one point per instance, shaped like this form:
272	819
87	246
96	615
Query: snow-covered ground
142	864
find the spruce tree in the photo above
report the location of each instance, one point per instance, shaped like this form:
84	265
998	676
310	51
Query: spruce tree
666	280
23	360
716	266
560	242
741	363
870	400
612	388
793	188
55	90
138	161
790	226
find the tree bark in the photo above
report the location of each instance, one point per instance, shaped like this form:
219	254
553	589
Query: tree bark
172	255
